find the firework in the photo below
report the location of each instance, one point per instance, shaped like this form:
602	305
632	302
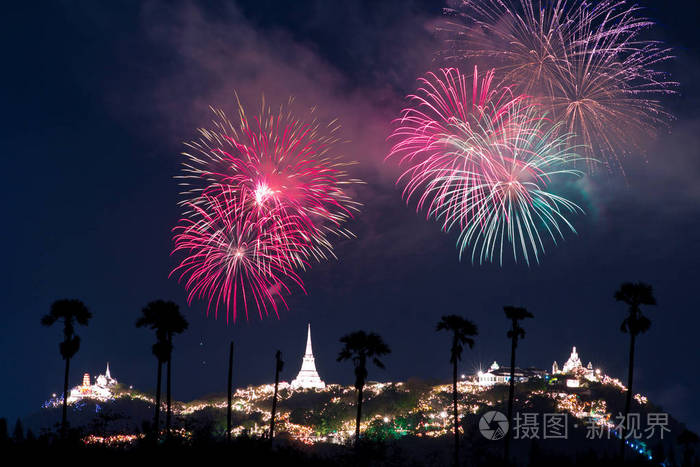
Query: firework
286	168
482	161
235	256
262	198
587	62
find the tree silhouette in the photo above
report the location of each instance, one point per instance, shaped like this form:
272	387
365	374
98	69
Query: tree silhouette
4	436
358	347
176	324
634	295
18	433
687	439
229	390
515	315
69	312
462	332
165	319
279	365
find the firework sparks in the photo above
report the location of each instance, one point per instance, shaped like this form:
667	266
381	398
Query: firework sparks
286	167
233	253
261	199
482	161
586	62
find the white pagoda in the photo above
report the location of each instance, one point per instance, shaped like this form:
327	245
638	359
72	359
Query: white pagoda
573	363
308	376
574	366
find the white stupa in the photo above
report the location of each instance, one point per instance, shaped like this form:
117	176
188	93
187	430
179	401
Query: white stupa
573	363
308	376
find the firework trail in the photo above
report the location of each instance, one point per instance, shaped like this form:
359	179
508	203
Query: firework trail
481	160
233	253
261	198
587	62
285	167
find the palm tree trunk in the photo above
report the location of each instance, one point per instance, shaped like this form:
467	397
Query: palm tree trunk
230	380
167	400
454	403
156	417
359	415
511	394
274	398
64	413
628	398
167	388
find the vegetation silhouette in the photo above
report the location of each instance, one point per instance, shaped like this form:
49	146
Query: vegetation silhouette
463	332
70	312
358	347
229	392
634	295
166	320
205	426
18	432
515	315
687	439
279	365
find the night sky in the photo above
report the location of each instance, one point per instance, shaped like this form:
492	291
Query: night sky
97	99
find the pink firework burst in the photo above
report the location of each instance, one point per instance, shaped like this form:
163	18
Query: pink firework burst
438	138
236	257
288	169
262	197
482	160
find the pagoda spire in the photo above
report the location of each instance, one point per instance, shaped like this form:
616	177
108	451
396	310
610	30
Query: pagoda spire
308	376
309	351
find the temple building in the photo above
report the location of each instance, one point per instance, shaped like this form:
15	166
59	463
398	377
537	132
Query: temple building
572	370
102	389
308	376
573	366
501	375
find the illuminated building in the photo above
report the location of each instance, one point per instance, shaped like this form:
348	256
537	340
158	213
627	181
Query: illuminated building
501	375
308	376
101	390
572	383
573	366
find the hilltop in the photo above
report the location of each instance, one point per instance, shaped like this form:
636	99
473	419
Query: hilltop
413	414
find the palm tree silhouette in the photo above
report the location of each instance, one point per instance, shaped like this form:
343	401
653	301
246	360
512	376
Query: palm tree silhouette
229	391
176	324
462	332
515	315
279	365
358	347
69	311
634	295
165	318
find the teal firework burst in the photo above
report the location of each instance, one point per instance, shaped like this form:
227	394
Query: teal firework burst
485	162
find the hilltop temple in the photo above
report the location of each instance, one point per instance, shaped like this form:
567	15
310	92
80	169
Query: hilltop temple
308	376
102	389
573	366
501	375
